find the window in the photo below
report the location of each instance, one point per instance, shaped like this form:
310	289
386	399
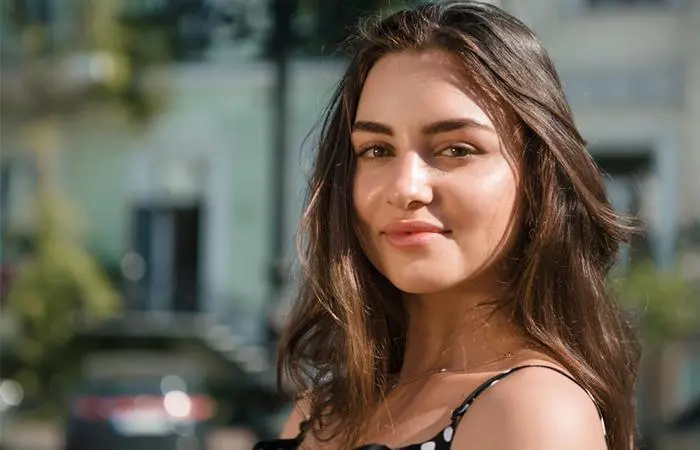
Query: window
4	190
17	181
689	383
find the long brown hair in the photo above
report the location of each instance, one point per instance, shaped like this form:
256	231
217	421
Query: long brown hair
347	331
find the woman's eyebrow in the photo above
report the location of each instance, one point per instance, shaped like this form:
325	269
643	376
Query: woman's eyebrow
440	126
445	126
372	127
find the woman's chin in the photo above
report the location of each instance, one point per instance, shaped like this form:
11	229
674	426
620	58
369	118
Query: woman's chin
423	283
432	277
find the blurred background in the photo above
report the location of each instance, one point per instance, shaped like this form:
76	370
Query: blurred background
153	163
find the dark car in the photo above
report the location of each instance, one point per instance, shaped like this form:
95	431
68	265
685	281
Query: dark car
139	413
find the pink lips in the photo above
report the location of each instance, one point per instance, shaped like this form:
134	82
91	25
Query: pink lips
413	233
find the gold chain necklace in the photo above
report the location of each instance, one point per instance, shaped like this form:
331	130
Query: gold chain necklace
506	355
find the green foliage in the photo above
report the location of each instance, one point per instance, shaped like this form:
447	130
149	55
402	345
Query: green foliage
58	285
662	301
142	49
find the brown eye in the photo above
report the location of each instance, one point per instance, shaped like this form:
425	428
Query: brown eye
457	151
374	151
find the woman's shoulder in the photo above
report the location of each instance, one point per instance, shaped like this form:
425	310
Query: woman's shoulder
535	406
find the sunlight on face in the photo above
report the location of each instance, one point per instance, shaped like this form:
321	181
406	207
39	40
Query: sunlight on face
433	190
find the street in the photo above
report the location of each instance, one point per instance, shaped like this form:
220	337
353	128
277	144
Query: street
46	436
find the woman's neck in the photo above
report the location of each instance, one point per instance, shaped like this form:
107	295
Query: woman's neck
455	332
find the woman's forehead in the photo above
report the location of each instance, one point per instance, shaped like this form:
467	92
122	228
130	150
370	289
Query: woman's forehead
421	87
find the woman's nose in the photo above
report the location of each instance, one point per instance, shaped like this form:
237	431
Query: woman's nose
410	184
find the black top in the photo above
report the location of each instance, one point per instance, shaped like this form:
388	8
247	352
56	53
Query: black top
441	441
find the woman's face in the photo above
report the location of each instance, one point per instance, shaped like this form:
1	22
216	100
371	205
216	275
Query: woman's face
433	190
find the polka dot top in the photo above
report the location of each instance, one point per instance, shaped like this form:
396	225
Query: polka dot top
441	441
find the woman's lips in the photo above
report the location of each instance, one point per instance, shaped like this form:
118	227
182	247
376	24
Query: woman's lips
412	233
413	239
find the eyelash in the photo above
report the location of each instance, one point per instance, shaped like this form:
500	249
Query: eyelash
467	149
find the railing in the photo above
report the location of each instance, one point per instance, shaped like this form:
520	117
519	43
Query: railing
237	336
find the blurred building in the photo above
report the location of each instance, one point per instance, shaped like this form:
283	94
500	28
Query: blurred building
181	209
175	207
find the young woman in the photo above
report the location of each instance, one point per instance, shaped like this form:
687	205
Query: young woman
457	234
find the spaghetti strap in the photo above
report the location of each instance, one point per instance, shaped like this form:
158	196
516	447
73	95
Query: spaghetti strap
459	412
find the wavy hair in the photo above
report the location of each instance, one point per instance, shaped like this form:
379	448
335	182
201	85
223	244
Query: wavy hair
346	333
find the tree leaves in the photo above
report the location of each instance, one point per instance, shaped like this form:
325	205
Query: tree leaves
59	282
662	301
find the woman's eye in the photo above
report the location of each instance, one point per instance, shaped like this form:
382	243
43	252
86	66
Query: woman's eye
457	151
375	151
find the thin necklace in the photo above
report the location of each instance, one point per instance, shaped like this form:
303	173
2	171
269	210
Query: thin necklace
428	374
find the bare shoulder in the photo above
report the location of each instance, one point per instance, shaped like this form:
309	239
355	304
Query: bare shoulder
533	408
299	413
